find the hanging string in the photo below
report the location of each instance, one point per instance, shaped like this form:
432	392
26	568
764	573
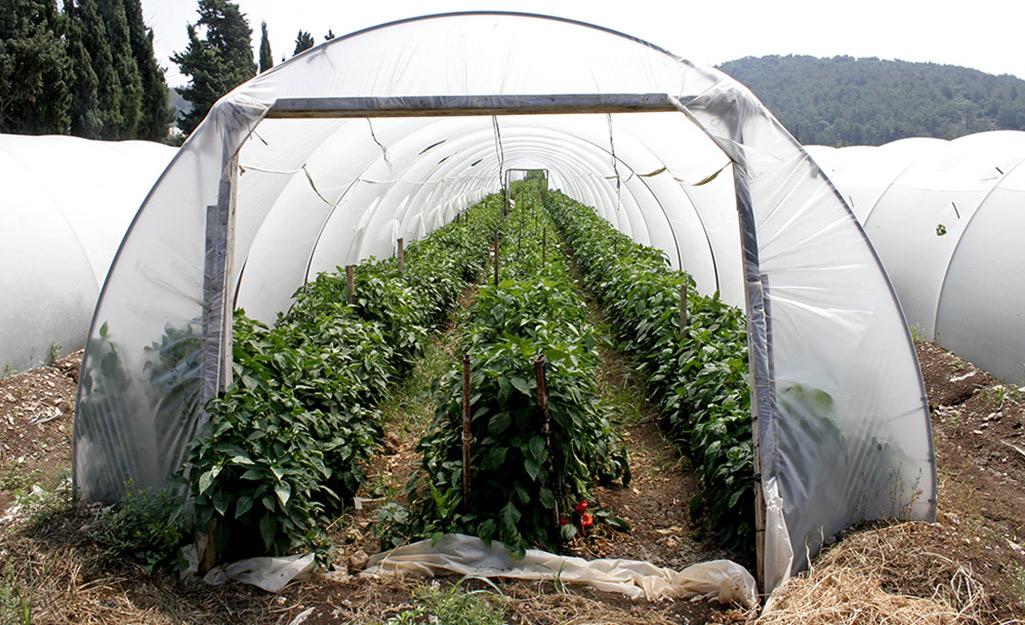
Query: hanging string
615	167
384	150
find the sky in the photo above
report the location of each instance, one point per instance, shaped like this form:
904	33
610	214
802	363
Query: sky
982	35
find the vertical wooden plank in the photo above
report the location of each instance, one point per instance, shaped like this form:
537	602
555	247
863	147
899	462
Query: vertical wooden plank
350	282
467	433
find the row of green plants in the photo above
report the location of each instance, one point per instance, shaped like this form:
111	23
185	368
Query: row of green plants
697	375
529	469
285	446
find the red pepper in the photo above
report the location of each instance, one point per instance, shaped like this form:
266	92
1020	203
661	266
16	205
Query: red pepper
586	520
581	507
563	521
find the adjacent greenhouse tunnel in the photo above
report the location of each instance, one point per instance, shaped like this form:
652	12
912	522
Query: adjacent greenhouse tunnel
391	132
944	218
67	204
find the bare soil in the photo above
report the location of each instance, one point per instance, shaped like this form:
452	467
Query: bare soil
972	558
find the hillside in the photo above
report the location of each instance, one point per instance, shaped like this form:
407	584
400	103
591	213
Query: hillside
843	101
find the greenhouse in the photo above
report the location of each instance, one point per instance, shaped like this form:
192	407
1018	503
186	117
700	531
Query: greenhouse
61	233
389	133
942	215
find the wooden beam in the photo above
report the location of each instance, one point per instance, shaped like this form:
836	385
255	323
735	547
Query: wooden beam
458	106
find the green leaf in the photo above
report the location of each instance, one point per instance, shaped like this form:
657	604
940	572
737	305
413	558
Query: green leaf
521	385
499	423
533	468
268	529
244	504
568	531
538	449
284	491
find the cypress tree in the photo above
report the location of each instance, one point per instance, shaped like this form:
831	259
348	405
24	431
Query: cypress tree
155	113
216	63
303	41
266	60
129	99
35	92
86	117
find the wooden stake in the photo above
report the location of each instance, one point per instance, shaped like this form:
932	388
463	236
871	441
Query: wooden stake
350	281
544	246
402	258
467	435
496	257
683	309
546	430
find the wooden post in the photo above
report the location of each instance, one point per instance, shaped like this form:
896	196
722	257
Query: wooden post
544	246
496	257
401	255
350	282
467	435
683	309
546	430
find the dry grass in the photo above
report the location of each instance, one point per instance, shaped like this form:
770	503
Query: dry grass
883	576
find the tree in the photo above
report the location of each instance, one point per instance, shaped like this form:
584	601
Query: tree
128	99
35	93
217	63
155	113
304	41
266	60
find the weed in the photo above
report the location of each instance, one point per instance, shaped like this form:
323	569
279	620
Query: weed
53	352
148	526
1019	584
15	606
998	395
14	478
454	606
8	370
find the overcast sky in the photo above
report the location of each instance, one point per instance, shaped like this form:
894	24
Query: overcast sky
983	35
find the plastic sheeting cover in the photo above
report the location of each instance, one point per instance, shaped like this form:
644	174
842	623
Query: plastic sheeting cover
722	580
842	417
943	218
67	203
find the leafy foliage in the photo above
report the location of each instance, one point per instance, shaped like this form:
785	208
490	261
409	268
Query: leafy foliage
217	62
844	101
303	41
698	376
146	526
520	476
286	445
266	57
88	70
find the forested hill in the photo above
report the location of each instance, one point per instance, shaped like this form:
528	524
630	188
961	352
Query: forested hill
846	101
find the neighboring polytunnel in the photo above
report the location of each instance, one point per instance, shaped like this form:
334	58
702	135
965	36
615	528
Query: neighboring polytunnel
945	217
392	131
67	203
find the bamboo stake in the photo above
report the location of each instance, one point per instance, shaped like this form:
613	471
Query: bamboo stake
546	430
402	258
467	435
496	257
544	246
350	281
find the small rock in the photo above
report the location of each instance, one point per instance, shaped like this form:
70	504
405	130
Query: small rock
358	561
9	398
